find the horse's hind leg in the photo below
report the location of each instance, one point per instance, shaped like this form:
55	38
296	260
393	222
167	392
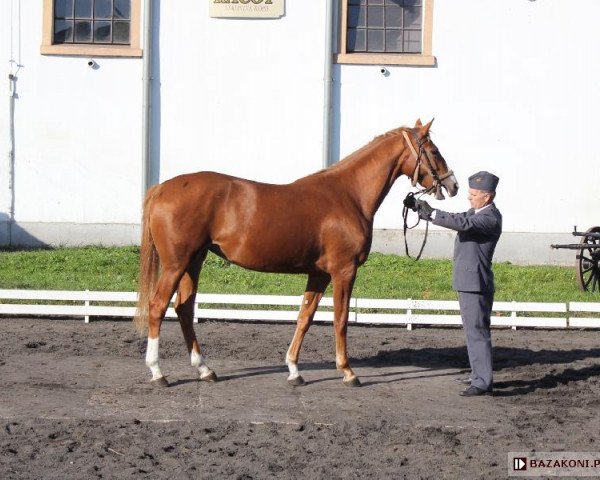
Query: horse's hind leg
315	287
184	306
158	307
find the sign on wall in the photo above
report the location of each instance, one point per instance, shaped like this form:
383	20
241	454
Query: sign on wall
246	8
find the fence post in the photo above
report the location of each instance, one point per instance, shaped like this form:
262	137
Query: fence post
409	325
513	314
87	304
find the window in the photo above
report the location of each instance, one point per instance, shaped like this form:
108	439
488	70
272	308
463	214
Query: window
390	32
92	27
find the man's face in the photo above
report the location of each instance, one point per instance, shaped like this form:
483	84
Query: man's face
478	198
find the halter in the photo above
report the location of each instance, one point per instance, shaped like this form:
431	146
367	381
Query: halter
437	180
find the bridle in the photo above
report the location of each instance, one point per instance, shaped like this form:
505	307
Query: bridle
436	185
428	165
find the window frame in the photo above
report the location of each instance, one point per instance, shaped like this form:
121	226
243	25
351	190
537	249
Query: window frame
91	49
425	58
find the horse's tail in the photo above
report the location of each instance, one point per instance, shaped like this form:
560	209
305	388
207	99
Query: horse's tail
149	264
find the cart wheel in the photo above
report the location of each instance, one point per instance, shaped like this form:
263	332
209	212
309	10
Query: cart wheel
588	260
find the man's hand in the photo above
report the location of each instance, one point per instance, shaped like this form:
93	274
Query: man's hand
424	210
410	202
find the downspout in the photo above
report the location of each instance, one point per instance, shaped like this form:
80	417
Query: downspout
12	78
146	97
15	66
328	83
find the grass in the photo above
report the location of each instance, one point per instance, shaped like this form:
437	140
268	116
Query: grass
383	276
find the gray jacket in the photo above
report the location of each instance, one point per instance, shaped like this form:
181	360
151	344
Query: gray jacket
476	240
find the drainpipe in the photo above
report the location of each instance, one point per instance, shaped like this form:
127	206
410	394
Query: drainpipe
15	66
12	79
328	83
146	97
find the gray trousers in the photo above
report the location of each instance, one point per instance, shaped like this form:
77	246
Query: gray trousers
475	310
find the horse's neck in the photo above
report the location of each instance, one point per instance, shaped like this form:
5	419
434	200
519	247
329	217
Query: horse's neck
374	171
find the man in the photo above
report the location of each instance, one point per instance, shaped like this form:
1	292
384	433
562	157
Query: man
478	232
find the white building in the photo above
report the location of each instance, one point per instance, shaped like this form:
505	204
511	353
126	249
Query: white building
512	84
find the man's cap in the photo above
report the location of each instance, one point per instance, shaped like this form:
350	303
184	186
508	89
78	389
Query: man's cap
484	181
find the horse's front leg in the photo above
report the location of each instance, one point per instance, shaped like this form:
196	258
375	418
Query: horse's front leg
343	283
315	287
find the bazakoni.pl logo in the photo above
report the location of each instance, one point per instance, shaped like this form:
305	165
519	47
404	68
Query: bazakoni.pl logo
556	464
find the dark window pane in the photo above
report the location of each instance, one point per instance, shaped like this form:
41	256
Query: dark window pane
357	17
393	41
121	32
375	17
375	41
412	17
102	32
123	9
63	8
63	31
412	41
357	40
393	17
393	26
83	9
83	31
103	9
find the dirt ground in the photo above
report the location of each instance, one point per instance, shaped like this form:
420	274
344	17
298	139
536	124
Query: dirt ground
75	402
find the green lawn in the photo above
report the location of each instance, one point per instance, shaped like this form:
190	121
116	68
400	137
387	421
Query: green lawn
383	276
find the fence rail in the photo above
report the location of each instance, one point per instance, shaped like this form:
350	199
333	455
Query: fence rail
88	304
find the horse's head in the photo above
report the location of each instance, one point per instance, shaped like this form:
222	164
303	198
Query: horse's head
430	169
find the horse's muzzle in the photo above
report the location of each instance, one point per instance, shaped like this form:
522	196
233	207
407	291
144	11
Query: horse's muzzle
450	184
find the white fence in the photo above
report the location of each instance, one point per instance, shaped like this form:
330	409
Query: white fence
88	304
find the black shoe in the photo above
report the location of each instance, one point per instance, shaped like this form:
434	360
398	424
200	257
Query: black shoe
473	391
463	380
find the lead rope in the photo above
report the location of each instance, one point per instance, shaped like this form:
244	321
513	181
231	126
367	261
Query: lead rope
406	228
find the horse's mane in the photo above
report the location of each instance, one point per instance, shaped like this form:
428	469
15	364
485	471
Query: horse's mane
360	153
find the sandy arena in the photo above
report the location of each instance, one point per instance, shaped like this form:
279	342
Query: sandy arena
75	402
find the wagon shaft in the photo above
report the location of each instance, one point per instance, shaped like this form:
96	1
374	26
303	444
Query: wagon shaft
577	246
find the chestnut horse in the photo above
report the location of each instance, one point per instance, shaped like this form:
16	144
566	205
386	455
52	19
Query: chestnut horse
320	225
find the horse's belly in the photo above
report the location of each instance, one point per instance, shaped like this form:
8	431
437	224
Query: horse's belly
265	254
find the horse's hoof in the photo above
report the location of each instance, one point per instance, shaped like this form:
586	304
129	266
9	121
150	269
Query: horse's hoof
296	381
160	382
211	377
352	382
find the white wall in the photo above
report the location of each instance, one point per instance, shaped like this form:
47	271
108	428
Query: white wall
77	131
242	97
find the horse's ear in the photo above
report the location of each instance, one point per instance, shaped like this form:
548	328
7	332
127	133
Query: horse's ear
424	131
418	123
